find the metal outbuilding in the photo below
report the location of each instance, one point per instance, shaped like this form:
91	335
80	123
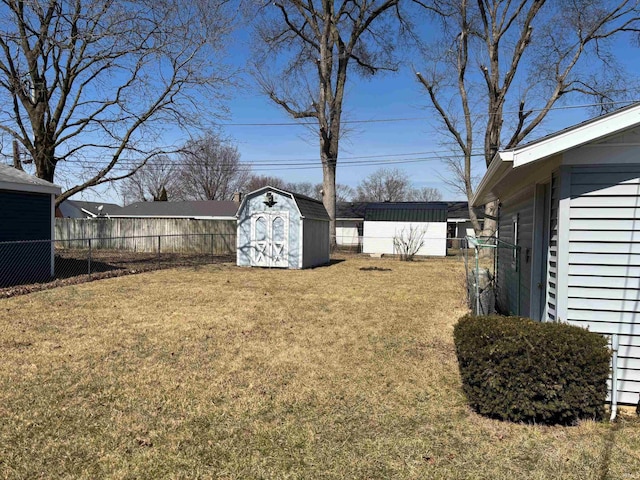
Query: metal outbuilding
386	222
282	229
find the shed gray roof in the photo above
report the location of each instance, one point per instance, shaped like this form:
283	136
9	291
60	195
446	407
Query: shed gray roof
310	207
205	208
13	179
406	212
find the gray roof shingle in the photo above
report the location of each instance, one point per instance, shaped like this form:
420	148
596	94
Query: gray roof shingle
461	210
94	207
310	207
350	209
12	175
205	208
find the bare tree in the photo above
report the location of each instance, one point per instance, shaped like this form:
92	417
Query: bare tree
258	181
316	42
424	194
384	185
210	169
499	66
91	84
306	188
344	193
408	244
157	179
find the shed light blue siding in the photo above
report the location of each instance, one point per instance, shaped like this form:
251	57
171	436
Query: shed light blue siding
306	233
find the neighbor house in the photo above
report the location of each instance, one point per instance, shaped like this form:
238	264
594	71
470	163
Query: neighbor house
199	210
350	223
387	222
81	209
571	202
27	216
459	222
277	228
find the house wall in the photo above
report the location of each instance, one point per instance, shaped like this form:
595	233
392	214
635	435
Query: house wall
255	204
378	237
315	244
348	232
25	217
513	272
603	261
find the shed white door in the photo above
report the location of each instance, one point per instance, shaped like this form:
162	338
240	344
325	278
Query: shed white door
269	233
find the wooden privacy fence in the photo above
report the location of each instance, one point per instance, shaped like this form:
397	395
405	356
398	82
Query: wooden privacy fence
169	235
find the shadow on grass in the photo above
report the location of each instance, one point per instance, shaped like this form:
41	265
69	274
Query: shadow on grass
72	267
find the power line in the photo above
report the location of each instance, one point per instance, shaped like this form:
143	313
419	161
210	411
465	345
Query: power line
283	166
287	161
414	119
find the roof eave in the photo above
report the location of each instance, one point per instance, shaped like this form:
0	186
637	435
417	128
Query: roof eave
501	164
31	188
581	134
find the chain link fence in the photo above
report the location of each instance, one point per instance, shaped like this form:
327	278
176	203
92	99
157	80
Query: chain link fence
37	262
493	275
355	243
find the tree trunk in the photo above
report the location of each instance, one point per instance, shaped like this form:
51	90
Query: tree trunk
490	225
45	165
329	195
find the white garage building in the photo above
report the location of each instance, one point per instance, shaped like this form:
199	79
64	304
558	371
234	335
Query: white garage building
384	222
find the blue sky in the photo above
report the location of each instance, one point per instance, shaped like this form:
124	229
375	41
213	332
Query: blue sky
387	96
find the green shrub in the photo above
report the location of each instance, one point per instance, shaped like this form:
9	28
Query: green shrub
524	371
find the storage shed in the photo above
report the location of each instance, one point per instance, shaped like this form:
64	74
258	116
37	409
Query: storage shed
282	229
571	202
27	216
384	222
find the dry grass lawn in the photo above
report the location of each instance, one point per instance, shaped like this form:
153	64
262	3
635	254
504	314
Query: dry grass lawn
220	372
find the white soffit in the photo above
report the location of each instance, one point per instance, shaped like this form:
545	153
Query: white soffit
573	137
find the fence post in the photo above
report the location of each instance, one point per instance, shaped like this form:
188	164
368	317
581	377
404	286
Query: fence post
89	260
212	250
159	250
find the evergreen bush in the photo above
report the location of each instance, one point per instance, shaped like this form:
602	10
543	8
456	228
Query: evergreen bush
525	371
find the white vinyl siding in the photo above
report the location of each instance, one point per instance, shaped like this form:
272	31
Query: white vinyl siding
552	255
379	237
348	232
604	262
